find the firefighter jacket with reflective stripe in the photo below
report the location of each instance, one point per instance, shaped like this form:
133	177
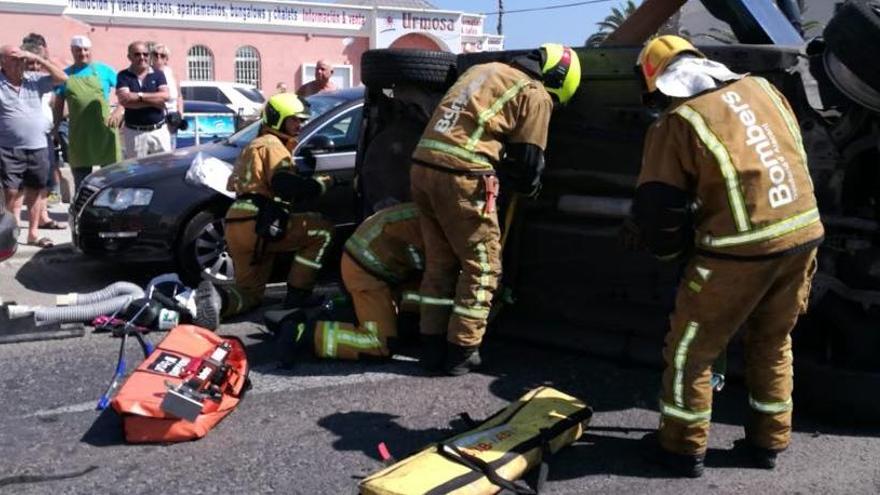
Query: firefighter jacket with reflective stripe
490	104
389	244
737	151
253	172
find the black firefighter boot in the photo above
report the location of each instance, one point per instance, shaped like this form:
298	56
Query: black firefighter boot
433	351
461	360
298	298
296	333
209	305
762	458
689	466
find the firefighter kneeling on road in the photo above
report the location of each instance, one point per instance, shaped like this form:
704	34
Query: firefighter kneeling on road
383	258
260	225
724	182
494	117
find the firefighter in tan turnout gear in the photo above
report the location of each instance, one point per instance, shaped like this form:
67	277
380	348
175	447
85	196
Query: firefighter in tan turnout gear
381	269
260	225
724	182
494	118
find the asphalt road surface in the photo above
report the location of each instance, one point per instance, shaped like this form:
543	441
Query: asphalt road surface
314	429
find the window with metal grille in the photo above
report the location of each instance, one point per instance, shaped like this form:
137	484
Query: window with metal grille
247	66
200	63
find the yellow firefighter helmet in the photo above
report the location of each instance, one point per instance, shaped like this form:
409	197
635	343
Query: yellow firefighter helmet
561	71
658	53
282	106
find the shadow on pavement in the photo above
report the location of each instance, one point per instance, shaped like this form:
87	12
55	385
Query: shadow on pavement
362	431
62	269
106	431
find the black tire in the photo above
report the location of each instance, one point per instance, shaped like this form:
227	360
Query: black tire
388	67
850	34
203	246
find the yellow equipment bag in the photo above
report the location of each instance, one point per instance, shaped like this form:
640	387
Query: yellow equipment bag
490	457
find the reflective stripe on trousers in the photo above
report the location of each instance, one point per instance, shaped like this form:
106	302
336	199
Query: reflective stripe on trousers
316	263
333	336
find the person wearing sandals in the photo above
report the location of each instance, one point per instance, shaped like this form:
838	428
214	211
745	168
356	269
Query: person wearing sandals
35	43
24	156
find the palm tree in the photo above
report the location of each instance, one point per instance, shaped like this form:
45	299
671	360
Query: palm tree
611	22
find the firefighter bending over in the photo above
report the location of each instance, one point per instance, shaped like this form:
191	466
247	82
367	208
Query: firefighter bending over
260	225
725	184
494	117
381	265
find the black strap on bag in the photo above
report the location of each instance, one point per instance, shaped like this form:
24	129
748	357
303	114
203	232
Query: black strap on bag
479	466
455	454
544	468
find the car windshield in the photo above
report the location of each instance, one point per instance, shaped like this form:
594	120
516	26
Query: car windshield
322	103
252	94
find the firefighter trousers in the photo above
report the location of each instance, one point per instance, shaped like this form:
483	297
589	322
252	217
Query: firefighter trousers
308	236
715	298
376	307
462	254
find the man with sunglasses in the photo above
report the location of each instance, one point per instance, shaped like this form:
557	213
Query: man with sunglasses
143	93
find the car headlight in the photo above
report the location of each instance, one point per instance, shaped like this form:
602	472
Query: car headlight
120	198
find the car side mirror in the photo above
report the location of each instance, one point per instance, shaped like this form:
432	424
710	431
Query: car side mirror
319	144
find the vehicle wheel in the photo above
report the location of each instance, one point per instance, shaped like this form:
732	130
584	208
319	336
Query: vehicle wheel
202	254
855	27
387	67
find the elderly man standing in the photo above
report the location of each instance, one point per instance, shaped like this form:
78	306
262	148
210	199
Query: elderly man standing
322	81
93	139
24	154
36	43
143	92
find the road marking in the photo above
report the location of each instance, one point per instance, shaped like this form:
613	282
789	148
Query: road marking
74	408
269	379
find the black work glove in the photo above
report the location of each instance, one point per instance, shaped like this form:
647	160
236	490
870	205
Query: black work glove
630	236
526	184
522	167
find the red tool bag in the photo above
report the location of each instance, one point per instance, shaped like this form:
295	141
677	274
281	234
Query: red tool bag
176	360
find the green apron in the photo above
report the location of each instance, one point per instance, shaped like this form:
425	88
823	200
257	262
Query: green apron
91	141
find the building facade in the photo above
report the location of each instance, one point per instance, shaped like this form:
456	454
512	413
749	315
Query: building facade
260	42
